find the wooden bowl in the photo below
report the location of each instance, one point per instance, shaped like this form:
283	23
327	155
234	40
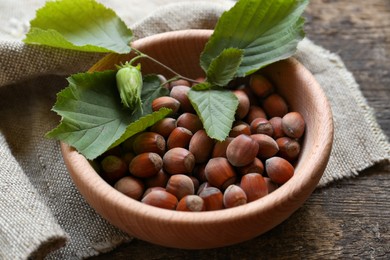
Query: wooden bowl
181	50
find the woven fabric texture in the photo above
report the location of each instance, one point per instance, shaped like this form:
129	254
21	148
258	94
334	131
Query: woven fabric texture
43	214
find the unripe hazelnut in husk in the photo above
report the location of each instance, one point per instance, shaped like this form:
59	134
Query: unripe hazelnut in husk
260	85
178	161
190	121
192	203
289	148
267	146
146	165
161	199
130	186
293	124
149	142
164	127
242	150
234	196
167	102
201	146
180	185
254	186
275	105
180	137
220	173
279	170
212	197
243	103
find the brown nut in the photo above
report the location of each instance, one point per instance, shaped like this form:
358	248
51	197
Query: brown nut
201	146
272	186
239	128
276	123
146	165
279	170
260	85
254	186
267	145
234	196
180	185
180	93
219	149
242	150
289	148
243	103
150	189
199	172
161	199
212	197
113	168
293	125
164	127
180	82
168	102
253	99
149	142
255	112
202	187
190	121
158	180
178	161
256	166
192	203
130	186
261	126
220	173
180	137
275	105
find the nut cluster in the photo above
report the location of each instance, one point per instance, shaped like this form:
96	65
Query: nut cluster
175	165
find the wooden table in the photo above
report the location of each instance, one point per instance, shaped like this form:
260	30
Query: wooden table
349	219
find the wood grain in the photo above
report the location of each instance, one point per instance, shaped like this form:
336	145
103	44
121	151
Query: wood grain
350	218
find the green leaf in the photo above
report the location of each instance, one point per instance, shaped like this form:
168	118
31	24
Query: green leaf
223	68
83	25
267	31
216	109
93	117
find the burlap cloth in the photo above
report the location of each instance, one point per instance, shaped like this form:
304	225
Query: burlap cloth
42	214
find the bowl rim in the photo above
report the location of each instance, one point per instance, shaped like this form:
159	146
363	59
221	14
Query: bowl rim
285	200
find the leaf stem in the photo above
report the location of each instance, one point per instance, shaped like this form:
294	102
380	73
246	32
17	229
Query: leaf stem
143	55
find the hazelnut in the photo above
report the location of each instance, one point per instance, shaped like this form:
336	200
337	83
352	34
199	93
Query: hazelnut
275	105
243	103
254	186
242	150
220	147
180	82
130	186
190	121
276	123
253	99
267	145
128	157
178	161
234	196
164	127
158	180
192	203
180	93
199	172
260	85
261	126
270	184
150	189
293	124
113	167
203	186
168	102
146	165
180	185
239	128
256	166
212	197
220	173
201	146
255	112
289	148
279	170
180	137
149	142
161	199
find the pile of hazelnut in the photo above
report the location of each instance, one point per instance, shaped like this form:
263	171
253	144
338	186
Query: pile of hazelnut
175	165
